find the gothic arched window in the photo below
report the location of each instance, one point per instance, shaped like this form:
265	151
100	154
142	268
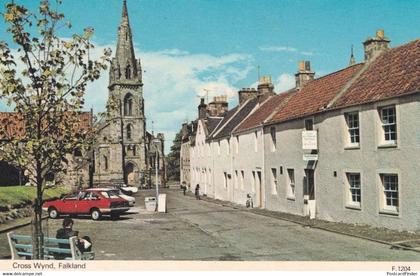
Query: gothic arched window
105	163
128	72
129	131
128	105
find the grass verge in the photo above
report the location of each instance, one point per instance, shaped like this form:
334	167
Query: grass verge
18	195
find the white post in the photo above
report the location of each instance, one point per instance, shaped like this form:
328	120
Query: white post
157	184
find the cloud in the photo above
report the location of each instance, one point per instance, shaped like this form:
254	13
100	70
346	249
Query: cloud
284	82
285	49
278	49
174	80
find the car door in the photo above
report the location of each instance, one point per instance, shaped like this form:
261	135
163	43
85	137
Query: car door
84	203
68	203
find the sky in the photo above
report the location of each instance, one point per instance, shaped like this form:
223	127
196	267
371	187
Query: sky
189	46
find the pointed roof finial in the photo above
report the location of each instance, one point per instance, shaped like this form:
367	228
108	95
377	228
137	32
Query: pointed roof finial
124	11
352	59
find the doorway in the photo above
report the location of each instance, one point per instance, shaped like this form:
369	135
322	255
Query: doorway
309	184
258	189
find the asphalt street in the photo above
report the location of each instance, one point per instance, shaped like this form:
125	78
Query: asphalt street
199	230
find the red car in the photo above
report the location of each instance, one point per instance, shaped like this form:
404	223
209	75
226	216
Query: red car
94	202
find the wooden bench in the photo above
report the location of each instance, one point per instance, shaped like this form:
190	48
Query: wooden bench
21	248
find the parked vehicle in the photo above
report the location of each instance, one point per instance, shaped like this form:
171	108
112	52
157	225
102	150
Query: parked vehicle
128	189
131	200
94	202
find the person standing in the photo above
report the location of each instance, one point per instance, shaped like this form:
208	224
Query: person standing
197	192
184	187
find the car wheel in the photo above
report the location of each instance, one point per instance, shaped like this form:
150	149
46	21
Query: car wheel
52	213
95	214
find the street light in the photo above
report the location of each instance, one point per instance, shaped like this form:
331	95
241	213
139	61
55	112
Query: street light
156	142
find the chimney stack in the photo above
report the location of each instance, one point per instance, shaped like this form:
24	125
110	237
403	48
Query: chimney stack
304	74
202	109
246	93
265	86
374	46
218	106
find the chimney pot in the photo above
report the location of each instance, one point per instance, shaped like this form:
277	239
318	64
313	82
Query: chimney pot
304	74
301	65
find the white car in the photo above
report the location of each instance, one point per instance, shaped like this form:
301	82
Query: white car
115	191
129	189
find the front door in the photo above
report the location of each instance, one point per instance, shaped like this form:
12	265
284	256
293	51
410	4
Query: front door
309	193
309	190
258	189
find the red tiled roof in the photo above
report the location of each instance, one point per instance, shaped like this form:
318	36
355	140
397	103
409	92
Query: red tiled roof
274	103
392	74
12	124
316	95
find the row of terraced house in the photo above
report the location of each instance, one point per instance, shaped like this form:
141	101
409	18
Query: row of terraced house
341	147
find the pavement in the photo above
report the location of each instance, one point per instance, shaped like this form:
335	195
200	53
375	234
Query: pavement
210	230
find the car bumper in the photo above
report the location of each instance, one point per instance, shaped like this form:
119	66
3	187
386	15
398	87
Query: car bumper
114	210
45	209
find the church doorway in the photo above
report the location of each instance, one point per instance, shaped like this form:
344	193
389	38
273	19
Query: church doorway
131	174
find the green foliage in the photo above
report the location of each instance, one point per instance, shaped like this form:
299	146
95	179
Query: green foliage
173	166
47	92
21	194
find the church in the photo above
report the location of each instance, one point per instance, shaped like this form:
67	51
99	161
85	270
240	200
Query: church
124	151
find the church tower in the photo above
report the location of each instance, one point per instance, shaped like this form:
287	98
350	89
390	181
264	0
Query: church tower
120	155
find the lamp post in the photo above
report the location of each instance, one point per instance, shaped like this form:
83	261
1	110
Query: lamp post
156	142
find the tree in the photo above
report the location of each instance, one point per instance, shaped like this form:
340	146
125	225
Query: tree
173	169
46	94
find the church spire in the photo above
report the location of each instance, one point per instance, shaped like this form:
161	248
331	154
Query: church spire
124	11
125	67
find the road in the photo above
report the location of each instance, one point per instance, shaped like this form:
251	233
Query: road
199	230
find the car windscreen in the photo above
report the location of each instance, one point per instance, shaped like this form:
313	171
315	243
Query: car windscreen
110	194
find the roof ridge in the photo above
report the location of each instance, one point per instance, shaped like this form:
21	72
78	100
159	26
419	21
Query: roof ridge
257	106
280	106
344	89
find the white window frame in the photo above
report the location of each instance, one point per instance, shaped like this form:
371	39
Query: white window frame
309	119
256	141
273	138
384	124
273	181
228	146
350	187
393	193
291	184
352	130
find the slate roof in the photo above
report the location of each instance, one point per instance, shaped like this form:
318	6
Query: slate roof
227	117
264	112
316	95
212	123
237	118
392	74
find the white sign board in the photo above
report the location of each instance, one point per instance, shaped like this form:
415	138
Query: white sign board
310	157
309	140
